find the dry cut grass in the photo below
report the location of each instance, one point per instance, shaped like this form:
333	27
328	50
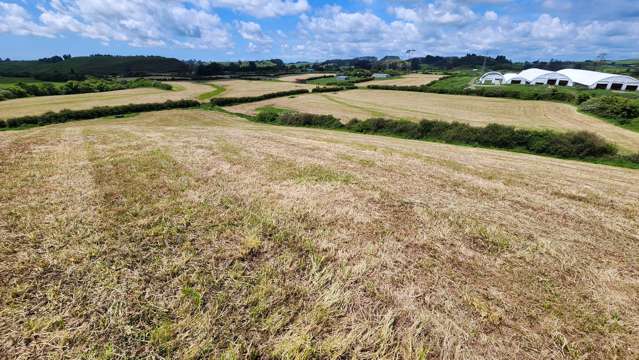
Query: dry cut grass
42	104
190	234
240	88
296	77
405	80
478	111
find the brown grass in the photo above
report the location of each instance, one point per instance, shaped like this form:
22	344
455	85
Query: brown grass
473	110
239	88
190	234
296	77
42	104
405	80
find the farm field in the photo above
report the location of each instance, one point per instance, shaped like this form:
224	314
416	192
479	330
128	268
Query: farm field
10	81
240	88
42	104
478	111
198	234
294	78
404	80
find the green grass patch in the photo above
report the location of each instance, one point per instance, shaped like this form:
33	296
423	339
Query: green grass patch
217	90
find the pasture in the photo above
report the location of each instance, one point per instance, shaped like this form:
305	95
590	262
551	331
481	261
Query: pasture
41	104
296	77
404	80
240	88
194	234
478	111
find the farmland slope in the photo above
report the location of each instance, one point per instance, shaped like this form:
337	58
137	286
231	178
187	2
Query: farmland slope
197	234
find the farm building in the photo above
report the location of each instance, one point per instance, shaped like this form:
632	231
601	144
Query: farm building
492	77
544	77
341	78
599	80
381	76
512	78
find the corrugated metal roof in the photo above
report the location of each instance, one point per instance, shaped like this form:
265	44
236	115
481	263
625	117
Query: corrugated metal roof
532	74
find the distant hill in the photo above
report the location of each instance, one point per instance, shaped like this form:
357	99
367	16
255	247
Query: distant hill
96	65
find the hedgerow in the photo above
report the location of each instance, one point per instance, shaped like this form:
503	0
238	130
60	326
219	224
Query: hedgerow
94	113
333	88
575	145
247	99
613	107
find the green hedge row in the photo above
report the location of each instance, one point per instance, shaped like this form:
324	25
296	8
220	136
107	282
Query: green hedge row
621	109
247	99
21	90
94	113
512	92
575	145
333	88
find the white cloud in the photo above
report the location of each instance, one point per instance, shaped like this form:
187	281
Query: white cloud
264	8
140	23
15	19
252	32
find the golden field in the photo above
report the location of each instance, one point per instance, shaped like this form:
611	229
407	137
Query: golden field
41	104
193	234
474	110
241	88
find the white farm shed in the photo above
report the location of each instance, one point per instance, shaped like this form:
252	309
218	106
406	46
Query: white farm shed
492	77
545	77
512	78
381	76
599	80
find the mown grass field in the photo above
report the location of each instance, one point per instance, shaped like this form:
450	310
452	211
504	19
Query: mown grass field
296	77
364	104
240	88
42	104
192	234
404	80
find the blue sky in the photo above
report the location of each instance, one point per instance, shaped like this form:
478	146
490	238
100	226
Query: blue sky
318	29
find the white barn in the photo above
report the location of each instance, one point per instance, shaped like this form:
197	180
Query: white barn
491	77
599	80
512	78
381	76
544	77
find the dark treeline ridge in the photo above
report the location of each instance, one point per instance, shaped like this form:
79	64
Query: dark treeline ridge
247	99
580	145
21	89
94	113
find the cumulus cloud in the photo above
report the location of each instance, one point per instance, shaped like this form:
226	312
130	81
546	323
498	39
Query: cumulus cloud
264	8
252	32
15	19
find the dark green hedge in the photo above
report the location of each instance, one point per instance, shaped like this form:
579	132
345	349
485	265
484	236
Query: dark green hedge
247	99
94	113
613	107
333	88
575	145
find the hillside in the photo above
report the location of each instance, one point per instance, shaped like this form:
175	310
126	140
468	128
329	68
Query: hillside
96	65
193	234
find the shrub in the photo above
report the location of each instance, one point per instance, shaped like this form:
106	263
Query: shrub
612	107
333	88
578	145
247	99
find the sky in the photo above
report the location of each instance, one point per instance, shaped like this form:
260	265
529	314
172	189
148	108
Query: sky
312	30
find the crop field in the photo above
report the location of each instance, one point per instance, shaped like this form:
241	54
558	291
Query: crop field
42	104
294	78
239	88
194	234
404	80
479	111
10	81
